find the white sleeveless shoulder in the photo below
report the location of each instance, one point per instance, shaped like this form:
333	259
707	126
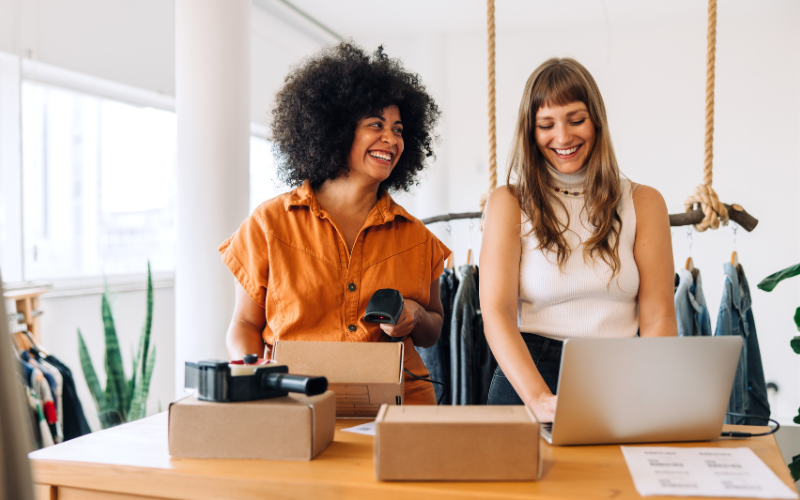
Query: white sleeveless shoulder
578	301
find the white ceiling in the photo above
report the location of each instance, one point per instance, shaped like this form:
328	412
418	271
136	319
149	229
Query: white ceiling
397	17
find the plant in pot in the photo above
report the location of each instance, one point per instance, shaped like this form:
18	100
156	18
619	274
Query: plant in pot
768	284
124	399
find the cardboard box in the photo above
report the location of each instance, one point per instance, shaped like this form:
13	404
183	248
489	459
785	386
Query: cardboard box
295	427
457	443
364	375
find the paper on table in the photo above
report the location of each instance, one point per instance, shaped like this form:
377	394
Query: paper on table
710	472
367	429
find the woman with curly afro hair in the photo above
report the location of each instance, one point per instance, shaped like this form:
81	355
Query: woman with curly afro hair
347	128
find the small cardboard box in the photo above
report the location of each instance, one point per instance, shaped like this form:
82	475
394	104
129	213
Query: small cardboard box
295	427
364	375
457	443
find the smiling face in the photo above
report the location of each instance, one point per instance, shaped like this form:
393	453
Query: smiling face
377	145
565	135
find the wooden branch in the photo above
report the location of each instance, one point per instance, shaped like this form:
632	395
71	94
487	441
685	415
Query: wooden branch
449	217
736	213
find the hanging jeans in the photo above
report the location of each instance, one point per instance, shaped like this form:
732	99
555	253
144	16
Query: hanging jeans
749	393
690	306
546	355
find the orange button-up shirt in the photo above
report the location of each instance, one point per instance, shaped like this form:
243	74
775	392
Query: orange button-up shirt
291	258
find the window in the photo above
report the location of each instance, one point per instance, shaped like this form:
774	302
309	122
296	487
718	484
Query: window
99	187
99	184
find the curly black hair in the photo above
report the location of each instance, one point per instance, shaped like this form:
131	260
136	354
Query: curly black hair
317	110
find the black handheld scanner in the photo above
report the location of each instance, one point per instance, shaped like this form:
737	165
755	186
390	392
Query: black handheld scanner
214	381
385	306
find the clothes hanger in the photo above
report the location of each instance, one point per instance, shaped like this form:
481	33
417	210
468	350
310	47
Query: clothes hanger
449	263
689	262
735	254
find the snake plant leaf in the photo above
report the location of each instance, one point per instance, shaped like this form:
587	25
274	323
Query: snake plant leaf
795	343
139	404
794	467
90	375
770	282
148	321
137	358
116	389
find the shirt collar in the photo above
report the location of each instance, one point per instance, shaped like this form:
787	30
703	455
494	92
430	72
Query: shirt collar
385	210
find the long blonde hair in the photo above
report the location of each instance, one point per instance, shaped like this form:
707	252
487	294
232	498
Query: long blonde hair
561	81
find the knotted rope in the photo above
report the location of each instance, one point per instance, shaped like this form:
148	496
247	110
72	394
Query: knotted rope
492	121
713	210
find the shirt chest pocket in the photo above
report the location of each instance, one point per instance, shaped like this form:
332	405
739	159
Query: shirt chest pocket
407	270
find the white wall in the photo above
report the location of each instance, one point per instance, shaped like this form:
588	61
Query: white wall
651	70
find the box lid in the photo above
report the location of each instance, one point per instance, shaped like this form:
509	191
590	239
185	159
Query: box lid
457	414
344	362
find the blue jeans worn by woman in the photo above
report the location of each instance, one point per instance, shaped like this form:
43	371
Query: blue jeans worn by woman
546	355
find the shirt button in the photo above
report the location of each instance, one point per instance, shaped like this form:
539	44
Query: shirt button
351	287
352	328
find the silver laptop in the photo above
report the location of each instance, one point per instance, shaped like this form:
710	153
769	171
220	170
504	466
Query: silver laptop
643	390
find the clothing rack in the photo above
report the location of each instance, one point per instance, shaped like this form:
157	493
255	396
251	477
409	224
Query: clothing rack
736	213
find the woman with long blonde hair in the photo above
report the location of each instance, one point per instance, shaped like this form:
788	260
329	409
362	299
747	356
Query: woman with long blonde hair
571	249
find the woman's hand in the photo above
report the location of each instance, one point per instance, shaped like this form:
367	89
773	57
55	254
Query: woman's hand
407	322
544	407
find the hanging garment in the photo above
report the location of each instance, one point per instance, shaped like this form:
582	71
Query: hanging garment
466	308
749	393
437	357
58	386
484	359
690	306
75	424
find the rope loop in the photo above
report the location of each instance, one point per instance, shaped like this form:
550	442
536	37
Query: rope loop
714	211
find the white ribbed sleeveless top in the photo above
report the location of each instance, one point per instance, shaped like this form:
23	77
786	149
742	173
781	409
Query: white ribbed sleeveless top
579	302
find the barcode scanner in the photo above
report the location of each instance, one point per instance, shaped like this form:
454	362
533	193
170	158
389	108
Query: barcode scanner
385	306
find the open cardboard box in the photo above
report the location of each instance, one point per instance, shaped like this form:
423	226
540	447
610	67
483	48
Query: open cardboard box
457	443
294	427
364	375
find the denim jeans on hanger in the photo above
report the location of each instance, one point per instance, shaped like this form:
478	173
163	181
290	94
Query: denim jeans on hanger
749	393
690	306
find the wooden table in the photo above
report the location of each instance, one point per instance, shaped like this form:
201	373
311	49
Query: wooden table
131	462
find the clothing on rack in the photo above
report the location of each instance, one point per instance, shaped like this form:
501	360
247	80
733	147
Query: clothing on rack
749	393
75	424
437	357
690	305
36	381
52	398
471	362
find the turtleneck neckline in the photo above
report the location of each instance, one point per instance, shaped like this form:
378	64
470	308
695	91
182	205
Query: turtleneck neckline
568	181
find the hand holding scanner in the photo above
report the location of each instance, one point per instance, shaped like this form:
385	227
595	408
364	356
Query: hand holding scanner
385	306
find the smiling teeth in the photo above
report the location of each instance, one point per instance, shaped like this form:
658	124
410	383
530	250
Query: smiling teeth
565	152
380	156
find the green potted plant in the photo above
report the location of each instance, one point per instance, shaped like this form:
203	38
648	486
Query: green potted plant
124	399
768	284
